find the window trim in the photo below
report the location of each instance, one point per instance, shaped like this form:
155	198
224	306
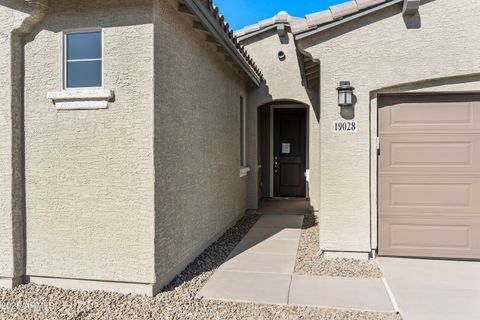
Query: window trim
64	56
243	133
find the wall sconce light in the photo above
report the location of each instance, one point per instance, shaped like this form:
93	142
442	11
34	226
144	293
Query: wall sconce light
345	94
281	55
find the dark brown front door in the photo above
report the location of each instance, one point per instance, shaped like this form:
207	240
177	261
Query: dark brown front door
289	152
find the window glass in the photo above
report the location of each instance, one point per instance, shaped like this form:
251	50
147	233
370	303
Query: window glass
84	45
83	59
83	74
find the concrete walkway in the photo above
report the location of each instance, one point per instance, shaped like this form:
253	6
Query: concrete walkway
260	270
434	289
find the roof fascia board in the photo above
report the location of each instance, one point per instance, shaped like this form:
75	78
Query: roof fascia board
347	19
253	34
219	34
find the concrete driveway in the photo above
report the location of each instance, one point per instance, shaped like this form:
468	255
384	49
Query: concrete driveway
434	289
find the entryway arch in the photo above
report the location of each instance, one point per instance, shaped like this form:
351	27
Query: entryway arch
283	149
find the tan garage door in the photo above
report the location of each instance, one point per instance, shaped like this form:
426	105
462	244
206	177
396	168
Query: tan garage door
429	176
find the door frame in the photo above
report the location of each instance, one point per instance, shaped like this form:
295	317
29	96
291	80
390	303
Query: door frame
307	143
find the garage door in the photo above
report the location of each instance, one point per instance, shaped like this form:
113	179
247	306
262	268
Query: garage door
429	176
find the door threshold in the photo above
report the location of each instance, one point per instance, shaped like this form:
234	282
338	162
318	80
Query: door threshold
286	198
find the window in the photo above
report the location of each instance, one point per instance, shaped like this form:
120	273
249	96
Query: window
83	59
243	134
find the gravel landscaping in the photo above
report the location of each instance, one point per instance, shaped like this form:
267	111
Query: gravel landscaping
309	261
177	301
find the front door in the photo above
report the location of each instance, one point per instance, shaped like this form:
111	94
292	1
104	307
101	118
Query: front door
289	158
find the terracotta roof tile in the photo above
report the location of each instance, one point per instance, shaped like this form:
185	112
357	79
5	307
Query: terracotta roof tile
231	35
313	20
344	9
279	18
267	22
317	18
363	4
299	26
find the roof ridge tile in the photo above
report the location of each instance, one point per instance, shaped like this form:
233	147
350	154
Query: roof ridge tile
311	20
344	9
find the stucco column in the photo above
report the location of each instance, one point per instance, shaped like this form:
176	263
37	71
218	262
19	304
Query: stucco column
345	175
22	16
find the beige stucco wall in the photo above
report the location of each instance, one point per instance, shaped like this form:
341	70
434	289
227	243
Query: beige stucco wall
283	83
199	191
15	19
89	174
379	53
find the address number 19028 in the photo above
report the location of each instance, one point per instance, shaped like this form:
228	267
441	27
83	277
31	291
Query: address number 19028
345	126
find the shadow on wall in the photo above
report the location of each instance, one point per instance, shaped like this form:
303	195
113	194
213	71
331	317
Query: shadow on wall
284	39
263	96
17	5
215	255
224	248
313	88
314	96
415	21
85	8
412	22
310	221
430	83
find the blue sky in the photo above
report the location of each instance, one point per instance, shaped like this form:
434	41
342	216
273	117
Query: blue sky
240	13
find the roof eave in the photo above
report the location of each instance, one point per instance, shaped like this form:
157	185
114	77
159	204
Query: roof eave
253	34
208	21
346	19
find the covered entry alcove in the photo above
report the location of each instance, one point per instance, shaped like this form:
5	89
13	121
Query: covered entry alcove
283	150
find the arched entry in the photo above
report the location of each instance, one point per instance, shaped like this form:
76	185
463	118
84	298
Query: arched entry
283	149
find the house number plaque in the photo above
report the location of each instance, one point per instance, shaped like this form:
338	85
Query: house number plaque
345	126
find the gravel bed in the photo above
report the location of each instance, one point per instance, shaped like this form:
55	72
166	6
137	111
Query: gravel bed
176	301
309	261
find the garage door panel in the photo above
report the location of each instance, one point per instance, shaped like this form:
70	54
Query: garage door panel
429	176
432	237
449	195
430	153
450	114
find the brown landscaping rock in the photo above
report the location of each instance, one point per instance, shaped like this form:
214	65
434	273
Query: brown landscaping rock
33	302
310	262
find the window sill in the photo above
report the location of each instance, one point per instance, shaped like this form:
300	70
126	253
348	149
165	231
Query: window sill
244	171
81	99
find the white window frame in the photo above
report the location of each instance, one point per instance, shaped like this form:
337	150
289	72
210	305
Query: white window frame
64	57
243	133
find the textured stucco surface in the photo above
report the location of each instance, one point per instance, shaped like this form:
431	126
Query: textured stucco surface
13	20
89	174
283	83
197	142
132	193
378	53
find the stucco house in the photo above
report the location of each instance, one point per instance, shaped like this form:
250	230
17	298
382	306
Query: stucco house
133	133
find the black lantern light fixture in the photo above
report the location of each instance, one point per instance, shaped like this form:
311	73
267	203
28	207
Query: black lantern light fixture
345	94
